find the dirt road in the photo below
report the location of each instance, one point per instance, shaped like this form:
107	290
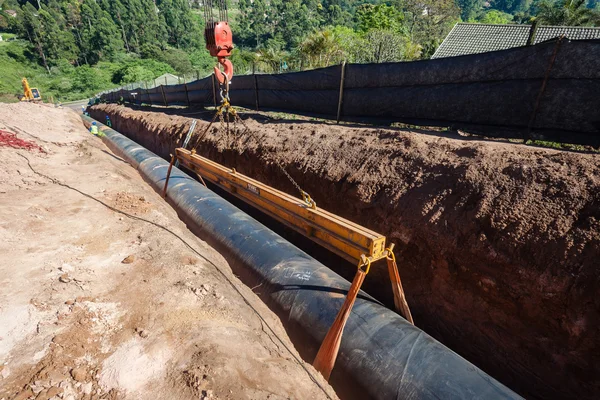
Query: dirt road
498	243
96	304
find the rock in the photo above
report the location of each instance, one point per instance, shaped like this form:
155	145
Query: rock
49	393
70	302
36	388
206	394
142	332
56	377
64	278
128	260
79	374
24	395
87	388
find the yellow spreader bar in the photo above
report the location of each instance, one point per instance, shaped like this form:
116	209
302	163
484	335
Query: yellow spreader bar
345	238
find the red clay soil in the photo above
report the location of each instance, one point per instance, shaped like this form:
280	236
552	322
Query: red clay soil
498	243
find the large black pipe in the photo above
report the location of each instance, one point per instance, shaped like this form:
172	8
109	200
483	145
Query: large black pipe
381	352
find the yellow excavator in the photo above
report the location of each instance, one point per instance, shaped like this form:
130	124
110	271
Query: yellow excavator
30	94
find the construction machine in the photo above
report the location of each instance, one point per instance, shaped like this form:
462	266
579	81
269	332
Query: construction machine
29	93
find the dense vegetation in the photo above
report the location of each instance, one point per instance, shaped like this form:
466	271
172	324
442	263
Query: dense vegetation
74	48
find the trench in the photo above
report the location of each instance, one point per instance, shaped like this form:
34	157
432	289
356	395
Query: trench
382	356
470	284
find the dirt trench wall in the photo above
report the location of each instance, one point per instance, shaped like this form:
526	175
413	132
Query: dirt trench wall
498	244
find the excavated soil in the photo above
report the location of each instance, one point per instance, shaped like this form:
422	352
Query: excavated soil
498	243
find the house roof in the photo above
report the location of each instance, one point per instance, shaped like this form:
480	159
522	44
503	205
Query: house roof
571	32
481	38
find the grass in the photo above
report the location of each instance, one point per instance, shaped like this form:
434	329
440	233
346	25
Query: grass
562	146
6	37
60	85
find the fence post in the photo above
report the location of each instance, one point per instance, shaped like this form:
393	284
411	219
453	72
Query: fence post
162	88
148	94
256	92
341	96
212	78
187	95
533	32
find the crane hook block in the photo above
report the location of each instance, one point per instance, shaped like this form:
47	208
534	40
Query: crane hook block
219	42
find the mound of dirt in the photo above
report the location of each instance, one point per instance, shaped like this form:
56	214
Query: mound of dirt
498	243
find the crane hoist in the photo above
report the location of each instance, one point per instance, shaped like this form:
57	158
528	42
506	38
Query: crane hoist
219	39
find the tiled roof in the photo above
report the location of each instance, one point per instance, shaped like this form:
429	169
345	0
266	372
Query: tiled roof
481	38
572	32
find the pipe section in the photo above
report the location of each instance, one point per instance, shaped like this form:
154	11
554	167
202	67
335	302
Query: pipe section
380	351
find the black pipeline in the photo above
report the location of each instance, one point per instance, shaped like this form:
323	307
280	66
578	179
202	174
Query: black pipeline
381	352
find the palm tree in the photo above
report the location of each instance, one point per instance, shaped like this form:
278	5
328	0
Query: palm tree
321	49
566	13
271	58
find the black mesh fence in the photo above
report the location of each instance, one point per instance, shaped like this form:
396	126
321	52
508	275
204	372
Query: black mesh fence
549	91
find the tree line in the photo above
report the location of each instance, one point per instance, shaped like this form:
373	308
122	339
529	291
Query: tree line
149	37
87	31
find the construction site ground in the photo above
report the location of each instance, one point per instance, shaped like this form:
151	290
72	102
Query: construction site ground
99	304
497	242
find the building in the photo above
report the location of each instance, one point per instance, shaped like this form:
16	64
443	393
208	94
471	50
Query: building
481	38
11	13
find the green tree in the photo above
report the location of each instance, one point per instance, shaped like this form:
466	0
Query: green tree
321	49
337	13
496	17
469	8
566	12
390	46
178	59
203	62
85	78
429	22
136	70
512	6
100	37
58	42
254	24
182	30
271	58
295	19
30	27
382	17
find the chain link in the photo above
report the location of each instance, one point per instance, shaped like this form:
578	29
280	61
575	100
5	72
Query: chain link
225	109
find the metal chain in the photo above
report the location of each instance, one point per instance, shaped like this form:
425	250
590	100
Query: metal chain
226	108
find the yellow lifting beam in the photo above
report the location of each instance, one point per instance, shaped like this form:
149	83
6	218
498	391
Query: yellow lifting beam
345	238
351	241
